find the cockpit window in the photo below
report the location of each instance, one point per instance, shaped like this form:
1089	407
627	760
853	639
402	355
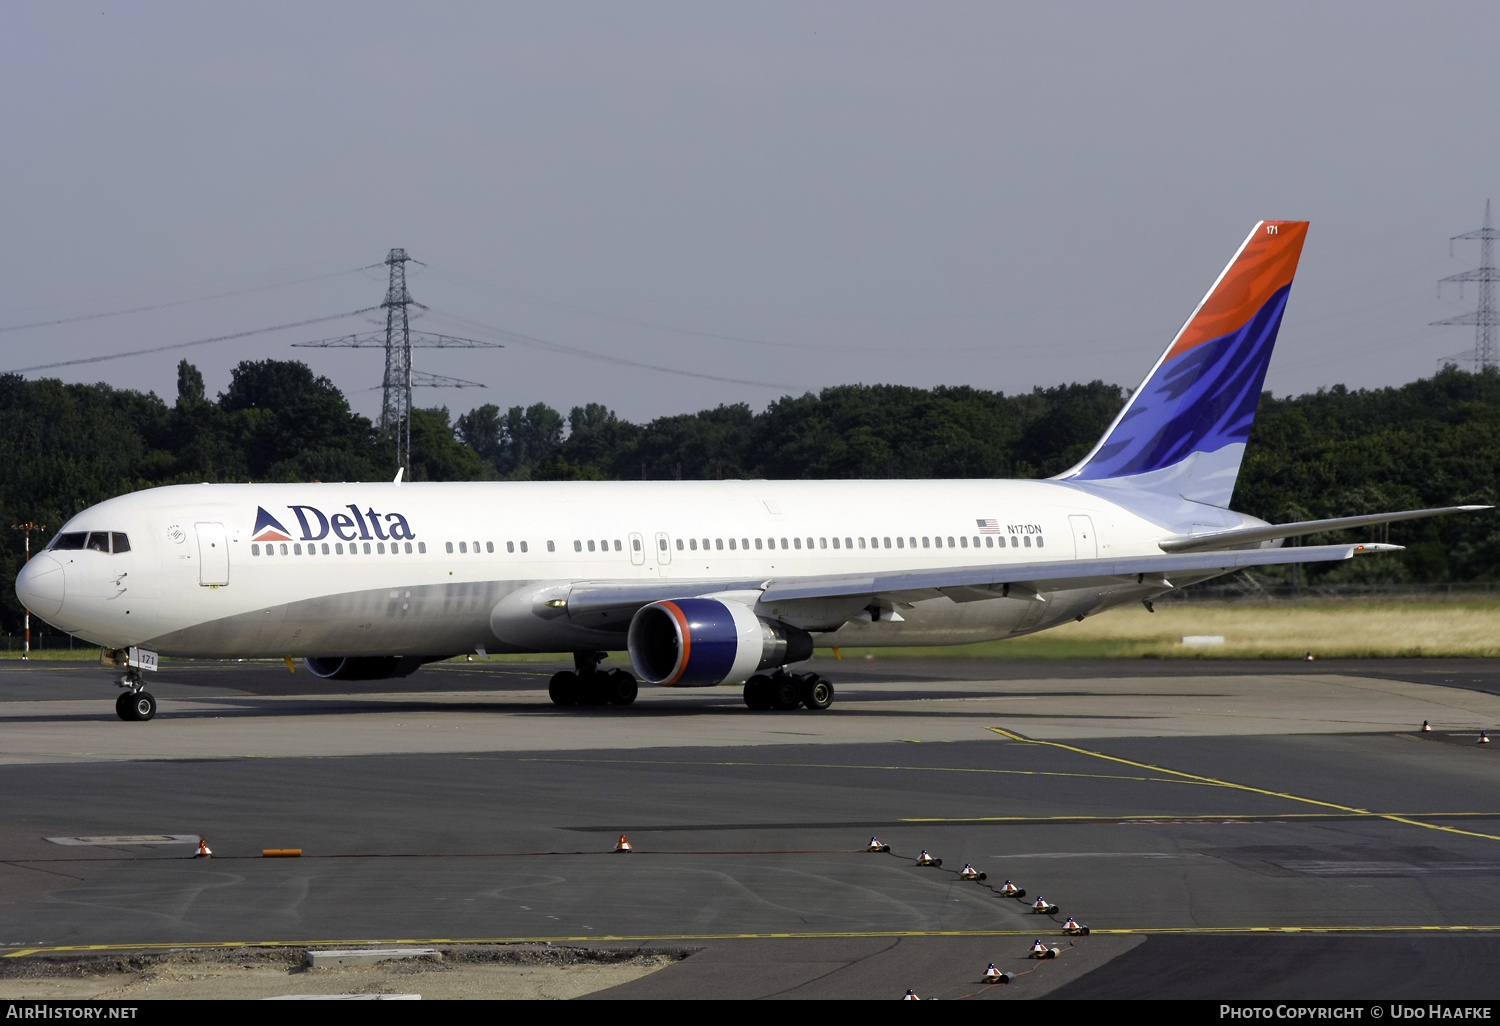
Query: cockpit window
98	541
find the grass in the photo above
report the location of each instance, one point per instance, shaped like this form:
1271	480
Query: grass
1347	628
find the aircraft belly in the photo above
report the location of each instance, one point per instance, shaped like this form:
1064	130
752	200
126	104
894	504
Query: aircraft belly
419	620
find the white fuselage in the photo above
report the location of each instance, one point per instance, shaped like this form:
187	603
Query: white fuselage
443	568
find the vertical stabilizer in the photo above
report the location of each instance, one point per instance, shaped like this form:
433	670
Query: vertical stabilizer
1183	431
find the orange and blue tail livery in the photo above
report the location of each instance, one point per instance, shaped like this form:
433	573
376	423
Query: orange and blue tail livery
1185	428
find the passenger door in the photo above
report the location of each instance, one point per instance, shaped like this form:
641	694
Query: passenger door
213	555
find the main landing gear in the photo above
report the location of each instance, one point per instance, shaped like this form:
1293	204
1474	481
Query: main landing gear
589	685
782	690
135	703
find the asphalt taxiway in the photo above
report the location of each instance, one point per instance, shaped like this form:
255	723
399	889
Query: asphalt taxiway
1229	830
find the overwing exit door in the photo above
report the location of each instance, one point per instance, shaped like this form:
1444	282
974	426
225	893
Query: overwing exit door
213	555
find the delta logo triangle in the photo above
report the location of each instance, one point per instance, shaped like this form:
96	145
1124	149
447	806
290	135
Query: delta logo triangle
268	528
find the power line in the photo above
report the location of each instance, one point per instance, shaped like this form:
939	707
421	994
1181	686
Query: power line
195	342
176	302
532	342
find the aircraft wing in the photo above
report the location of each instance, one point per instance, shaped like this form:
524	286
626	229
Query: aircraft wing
1252	535
607	597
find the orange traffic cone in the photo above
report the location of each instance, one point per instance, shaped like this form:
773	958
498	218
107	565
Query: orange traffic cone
1073	929
875	845
1040	950
1426	726
203	850
1484	738
1010	890
911	995
925	859
623	846
1041	908
970	873
993	975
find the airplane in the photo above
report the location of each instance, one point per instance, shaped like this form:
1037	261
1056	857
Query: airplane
703	583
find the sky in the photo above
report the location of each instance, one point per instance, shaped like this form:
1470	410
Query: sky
662	207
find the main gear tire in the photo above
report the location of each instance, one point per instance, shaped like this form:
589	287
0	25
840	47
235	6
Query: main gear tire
816	692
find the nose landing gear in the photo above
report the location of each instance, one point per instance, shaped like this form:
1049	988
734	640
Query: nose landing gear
136	703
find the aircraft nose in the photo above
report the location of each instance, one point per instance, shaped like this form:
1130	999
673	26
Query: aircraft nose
39	585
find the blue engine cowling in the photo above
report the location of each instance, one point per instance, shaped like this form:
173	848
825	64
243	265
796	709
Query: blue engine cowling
700	642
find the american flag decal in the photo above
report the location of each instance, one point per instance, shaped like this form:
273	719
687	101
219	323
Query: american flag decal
988	526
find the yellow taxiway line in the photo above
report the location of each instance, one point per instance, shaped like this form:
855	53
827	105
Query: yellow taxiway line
1393	817
663	937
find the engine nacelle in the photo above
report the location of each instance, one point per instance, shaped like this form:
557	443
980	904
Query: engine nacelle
362	667
700	642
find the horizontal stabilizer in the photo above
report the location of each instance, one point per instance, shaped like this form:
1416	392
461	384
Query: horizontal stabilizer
1242	536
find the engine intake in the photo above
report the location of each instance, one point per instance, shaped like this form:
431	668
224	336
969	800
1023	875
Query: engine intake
701	642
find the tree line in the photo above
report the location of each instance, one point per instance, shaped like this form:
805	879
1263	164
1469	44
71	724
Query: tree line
1335	452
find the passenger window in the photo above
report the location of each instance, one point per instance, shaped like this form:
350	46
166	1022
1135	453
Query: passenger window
848	543
1038	541
325	548
463	546
283	548
551	546
745	543
887	543
449	545
297	549
989	541
99	541
635	545
380	548
757	543
731	545
121	542
835	543
591	545
926	542
797	542
963	541
976	541
367	548
937	542
705	544
71	540
1015	542
510	546
718	543
783	543
254	550
488	547
679	544
861	541
1027	540
577	545
338	548
693	544
822	542
950	541
809	543
604	546
422	547
617	545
